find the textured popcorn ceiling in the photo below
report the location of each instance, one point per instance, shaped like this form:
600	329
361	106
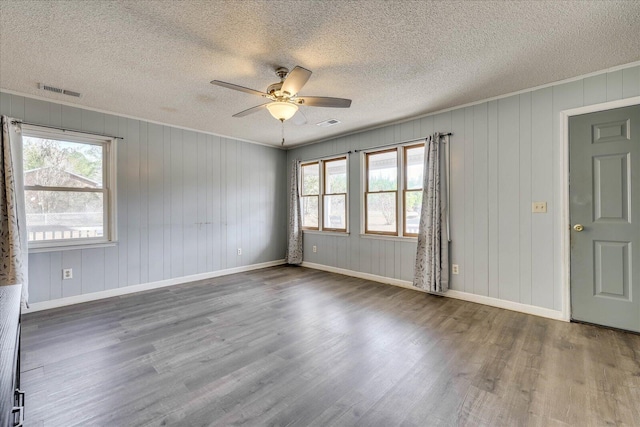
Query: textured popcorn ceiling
394	59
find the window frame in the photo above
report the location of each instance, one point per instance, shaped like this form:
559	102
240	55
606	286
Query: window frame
401	190
406	188
322	194
108	189
317	195
367	192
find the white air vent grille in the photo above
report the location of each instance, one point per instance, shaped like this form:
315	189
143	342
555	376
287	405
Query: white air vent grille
58	90
50	88
71	93
327	123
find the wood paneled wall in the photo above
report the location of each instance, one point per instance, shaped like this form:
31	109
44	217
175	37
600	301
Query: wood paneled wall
186	202
505	154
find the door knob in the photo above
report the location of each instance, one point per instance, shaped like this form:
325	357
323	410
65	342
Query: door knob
578	227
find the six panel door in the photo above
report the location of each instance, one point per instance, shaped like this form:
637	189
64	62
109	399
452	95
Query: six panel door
605	217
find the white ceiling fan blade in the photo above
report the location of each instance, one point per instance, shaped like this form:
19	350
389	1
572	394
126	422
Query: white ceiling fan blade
251	110
321	101
295	80
238	88
299	118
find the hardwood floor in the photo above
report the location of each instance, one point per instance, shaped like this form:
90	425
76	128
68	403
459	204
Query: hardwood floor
294	346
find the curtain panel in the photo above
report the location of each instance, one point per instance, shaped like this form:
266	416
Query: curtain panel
294	241
13	221
432	256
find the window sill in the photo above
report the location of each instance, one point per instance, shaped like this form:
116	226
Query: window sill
327	233
73	247
394	238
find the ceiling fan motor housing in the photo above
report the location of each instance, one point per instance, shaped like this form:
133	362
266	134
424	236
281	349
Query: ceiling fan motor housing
274	90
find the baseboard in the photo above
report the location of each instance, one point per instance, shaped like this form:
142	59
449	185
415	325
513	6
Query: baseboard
77	299
465	296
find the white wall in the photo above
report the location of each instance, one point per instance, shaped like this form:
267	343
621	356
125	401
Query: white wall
186	202
505	153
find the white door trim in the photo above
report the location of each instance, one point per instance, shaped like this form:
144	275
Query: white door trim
565	238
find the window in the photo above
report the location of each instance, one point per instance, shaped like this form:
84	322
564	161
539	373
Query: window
310	195
393	185
69	185
324	180
334	201
381	194
413	179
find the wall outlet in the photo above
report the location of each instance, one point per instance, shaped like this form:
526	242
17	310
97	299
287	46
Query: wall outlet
67	273
455	269
315	249
539	207
239	251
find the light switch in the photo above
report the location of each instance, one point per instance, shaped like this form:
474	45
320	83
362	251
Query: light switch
539	207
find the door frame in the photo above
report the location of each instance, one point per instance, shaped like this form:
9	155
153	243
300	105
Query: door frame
565	224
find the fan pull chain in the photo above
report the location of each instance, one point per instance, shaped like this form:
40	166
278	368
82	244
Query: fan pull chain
282	123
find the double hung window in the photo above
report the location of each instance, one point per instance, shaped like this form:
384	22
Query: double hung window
393	190
69	184
324	194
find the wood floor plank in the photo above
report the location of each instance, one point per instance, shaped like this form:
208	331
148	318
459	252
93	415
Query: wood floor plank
293	346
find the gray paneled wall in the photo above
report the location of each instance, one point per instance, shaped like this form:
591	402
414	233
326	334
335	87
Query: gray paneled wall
505	154
186	202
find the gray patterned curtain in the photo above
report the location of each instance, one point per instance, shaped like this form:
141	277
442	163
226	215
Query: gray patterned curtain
294	247
432	257
13	222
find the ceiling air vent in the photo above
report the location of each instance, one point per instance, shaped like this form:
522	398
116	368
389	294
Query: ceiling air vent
50	88
58	90
327	123
71	93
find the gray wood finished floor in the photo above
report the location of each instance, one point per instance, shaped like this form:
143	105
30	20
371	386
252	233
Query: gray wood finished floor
293	346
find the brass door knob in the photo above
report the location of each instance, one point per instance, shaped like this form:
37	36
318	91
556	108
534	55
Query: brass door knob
578	227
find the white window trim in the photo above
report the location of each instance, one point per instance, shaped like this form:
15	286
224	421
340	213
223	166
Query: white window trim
321	195
109	181
400	192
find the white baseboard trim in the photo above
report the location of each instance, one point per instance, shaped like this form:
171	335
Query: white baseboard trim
77	299
465	296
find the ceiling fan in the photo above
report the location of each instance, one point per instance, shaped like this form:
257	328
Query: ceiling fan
284	95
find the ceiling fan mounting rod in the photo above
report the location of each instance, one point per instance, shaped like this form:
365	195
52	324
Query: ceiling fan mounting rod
282	73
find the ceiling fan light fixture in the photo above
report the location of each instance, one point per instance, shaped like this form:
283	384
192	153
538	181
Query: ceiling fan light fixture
282	110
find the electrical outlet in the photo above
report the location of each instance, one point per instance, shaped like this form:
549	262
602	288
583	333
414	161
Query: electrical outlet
67	273
315	249
455	269
239	251
539	207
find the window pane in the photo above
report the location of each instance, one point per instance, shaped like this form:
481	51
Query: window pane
53	163
310	179
336	176
335	212
381	212
412	207
64	215
414	167
383	171
310	211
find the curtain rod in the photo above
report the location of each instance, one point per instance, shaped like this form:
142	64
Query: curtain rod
331	156
14	122
400	143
